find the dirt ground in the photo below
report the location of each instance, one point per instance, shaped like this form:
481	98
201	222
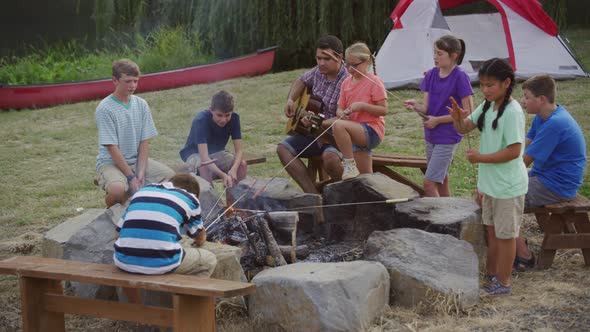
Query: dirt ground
556	299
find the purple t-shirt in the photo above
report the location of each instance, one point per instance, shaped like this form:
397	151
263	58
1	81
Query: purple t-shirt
439	90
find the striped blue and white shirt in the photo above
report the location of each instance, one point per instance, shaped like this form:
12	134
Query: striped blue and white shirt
151	228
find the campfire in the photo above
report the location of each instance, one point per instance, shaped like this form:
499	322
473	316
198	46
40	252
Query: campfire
270	239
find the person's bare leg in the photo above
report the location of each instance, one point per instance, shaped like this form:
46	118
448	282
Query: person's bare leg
206	174
430	188
522	250
492	259
348	132
364	162
332	165
443	188
506	249
115	194
242	171
296	170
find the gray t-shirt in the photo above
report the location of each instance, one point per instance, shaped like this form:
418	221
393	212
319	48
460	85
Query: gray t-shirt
122	125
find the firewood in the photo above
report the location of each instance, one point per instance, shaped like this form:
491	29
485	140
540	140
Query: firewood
301	252
271	243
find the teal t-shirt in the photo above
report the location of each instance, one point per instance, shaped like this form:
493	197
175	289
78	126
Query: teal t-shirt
508	179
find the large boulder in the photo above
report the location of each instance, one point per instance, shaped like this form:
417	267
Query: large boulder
278	194
94	243
59	236
357	221
458	217
320	296
426	268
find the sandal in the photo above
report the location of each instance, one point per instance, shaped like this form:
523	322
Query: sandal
522	264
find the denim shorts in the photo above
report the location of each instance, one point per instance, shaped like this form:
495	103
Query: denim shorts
372	139
296	144
439	157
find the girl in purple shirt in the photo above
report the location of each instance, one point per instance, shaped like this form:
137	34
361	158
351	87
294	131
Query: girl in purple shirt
443	81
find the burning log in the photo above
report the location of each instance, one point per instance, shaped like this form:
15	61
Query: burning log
271	244
250	239
285	223
301	252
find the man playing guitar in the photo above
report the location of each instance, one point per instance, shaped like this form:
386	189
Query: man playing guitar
323	81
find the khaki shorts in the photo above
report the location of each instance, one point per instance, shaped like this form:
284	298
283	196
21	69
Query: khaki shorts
504	214
197	262
155	172
224	161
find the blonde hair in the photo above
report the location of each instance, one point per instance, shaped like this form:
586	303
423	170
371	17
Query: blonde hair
362	51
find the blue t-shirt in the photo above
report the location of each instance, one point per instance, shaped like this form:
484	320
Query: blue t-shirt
205	131
457	85
559	152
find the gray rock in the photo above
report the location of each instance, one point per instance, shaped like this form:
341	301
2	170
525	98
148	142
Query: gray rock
428	268
458	217
55	238
279	195
320	296
93	243
359	221
208	197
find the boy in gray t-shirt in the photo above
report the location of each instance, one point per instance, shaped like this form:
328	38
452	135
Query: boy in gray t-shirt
125	126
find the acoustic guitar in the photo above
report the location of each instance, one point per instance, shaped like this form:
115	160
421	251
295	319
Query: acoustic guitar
310	107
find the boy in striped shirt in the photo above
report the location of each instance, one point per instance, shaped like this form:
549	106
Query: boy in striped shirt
149	232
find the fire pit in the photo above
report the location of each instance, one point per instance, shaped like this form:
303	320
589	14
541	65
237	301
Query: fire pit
270	239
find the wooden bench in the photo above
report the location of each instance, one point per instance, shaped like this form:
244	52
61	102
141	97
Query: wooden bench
381	163
566	226
43	303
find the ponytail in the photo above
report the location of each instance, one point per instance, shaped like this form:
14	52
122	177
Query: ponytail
461	54
374	64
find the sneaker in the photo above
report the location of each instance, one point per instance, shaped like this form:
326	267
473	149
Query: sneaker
489	279
496	288
350	170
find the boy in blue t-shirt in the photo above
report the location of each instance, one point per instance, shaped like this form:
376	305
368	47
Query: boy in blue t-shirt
204	152
556	147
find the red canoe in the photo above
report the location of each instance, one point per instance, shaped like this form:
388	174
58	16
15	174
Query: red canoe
43	95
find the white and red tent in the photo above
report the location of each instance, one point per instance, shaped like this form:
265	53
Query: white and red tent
519	31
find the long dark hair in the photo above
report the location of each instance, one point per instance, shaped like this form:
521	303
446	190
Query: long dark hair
499	69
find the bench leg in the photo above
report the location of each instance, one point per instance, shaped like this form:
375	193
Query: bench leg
582	224
398	177
194	313
35	318
551	225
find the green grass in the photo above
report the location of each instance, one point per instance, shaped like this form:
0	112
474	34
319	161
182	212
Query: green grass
48	156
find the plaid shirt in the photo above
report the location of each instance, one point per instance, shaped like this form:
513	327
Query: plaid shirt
329	91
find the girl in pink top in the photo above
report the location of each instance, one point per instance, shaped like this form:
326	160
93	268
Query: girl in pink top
361	107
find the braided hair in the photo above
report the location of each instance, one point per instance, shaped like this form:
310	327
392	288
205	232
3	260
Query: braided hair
499	69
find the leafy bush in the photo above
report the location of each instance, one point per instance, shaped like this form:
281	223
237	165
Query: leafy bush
163	49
